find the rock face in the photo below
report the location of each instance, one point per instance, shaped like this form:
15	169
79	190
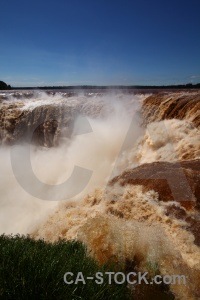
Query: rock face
174	105
167	179
178	182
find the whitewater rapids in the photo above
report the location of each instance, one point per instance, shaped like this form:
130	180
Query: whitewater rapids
108	135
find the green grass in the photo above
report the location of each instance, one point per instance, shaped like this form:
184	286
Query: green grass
34	270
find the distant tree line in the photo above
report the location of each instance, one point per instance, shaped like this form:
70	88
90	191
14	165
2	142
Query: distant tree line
4	86
108	87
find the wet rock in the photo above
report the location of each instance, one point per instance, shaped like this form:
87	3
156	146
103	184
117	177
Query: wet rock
178	182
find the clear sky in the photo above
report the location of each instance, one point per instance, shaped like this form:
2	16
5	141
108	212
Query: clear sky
72	42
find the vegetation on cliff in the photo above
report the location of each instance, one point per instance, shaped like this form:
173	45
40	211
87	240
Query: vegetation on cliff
4	86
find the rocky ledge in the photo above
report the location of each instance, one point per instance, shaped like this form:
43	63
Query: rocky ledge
177	183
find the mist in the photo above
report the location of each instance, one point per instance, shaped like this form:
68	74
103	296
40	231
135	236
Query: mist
94	146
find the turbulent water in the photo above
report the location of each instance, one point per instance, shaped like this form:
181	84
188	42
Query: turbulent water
134	194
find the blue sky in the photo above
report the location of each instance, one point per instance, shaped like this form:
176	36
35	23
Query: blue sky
99	42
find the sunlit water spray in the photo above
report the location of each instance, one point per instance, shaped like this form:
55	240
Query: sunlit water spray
114	222
95	150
